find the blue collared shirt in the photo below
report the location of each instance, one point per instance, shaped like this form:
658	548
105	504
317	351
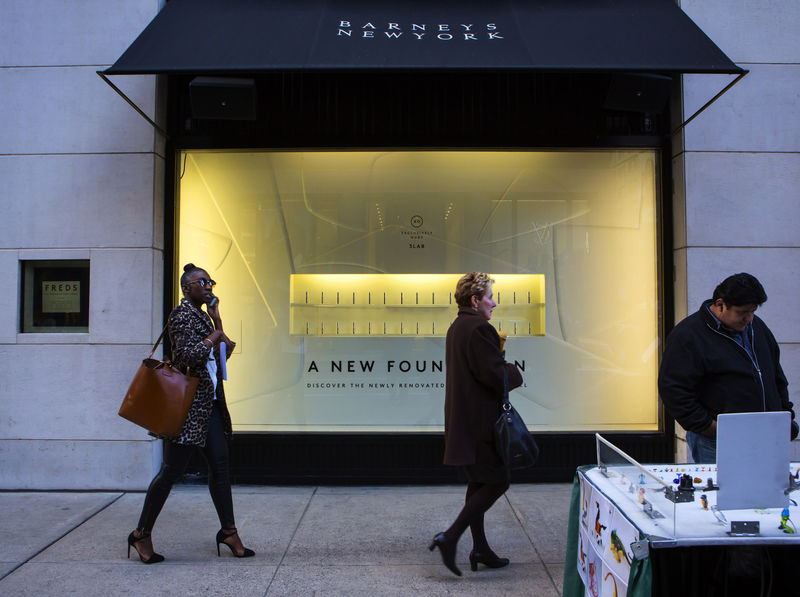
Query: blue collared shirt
741	338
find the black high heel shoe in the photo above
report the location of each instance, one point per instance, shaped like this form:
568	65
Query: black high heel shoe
448	553
133	540
222	535
487	559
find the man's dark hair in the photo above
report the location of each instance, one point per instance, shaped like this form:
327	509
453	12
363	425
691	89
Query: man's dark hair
740	289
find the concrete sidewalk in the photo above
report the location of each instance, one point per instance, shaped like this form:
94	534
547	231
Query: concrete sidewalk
308	541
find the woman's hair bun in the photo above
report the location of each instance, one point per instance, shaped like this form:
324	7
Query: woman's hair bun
189	267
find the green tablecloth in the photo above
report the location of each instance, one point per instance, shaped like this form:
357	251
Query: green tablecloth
640	580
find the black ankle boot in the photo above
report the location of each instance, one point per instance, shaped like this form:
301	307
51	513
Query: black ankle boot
448	552
488	559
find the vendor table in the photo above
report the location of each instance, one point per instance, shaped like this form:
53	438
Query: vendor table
615	548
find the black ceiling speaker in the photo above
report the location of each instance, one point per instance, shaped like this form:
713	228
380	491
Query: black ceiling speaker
637	93
222	98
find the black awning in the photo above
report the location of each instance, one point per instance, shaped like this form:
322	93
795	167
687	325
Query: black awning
230	36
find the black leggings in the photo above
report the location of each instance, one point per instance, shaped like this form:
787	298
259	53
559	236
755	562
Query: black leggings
176	457
479	498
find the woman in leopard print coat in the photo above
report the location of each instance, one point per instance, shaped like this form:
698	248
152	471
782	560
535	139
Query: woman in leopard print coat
188	328
195	336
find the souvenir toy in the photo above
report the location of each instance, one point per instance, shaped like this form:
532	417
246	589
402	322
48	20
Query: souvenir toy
787	526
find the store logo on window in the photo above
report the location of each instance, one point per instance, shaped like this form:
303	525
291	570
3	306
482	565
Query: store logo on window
415	238
420	31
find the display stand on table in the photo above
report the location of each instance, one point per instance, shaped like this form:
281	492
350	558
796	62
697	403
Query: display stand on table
655	530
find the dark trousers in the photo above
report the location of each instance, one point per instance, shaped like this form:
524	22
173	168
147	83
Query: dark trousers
176	457
703	449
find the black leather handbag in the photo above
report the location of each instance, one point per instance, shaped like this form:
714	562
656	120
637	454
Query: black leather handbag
514	442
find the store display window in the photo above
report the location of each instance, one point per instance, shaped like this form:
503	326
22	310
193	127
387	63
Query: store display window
335	271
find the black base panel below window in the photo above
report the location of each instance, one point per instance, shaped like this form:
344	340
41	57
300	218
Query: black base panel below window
385	459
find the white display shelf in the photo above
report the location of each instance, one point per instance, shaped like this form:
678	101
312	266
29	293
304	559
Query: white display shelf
405	305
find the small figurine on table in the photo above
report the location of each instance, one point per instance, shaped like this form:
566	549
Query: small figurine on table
787	526
704	501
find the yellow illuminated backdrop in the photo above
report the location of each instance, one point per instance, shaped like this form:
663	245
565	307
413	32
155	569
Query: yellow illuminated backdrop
577	226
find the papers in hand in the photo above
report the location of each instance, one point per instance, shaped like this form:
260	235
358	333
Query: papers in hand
223	360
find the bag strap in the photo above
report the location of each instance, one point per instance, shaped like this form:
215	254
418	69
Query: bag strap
506	401
167	361
161	337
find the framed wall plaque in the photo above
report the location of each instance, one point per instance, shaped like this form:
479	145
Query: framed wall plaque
55	296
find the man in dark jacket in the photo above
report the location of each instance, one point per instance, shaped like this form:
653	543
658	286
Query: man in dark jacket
722	359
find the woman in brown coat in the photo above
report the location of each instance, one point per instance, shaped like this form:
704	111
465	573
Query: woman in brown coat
196	336
473	398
